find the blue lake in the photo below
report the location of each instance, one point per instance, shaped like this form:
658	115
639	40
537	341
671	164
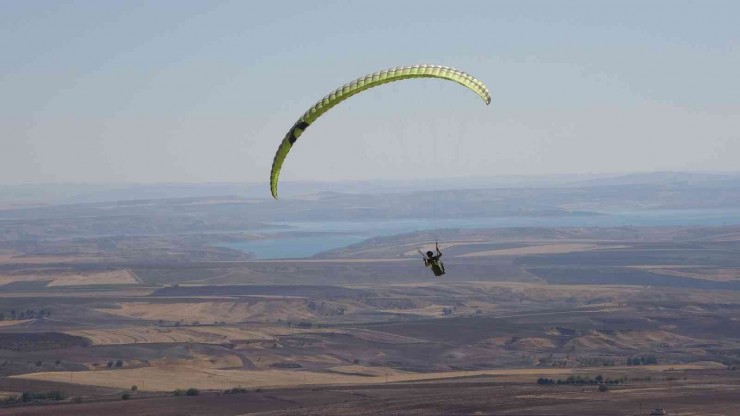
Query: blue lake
343	233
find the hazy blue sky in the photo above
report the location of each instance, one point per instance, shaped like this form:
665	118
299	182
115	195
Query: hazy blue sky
182	91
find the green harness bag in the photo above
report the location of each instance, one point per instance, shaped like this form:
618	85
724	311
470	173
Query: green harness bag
437	267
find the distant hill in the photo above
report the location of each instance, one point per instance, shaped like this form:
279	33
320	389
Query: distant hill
14	195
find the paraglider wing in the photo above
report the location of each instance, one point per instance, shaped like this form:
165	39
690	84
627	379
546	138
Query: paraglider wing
362	84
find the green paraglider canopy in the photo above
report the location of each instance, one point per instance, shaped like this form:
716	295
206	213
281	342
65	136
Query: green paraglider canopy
362	84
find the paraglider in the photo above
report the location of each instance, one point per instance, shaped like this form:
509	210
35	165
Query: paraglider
433	261
359	85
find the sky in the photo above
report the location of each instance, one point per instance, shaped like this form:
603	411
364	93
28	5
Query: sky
204	91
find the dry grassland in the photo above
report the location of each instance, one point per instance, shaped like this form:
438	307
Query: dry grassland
209	312
532	344
5	324
380	337
269	361
10	278
428	311
546	293
432	246
167	378
694	272
19	258
114	277
541	249
611	297
7	394
201	361
632	340
103	294
338	260
200	334
436	310
360	370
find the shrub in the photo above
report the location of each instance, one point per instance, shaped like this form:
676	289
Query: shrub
192	392
57	395
543	380
126	396
179	392
10	399
235	390
603	388
134	387
29	396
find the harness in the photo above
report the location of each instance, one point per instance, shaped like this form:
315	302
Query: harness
436	266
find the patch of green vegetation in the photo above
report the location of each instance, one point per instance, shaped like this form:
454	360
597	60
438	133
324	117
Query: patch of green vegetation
580	380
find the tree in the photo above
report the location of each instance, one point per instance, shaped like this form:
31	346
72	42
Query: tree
192	392
126	396
119	364
134	387
57	395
